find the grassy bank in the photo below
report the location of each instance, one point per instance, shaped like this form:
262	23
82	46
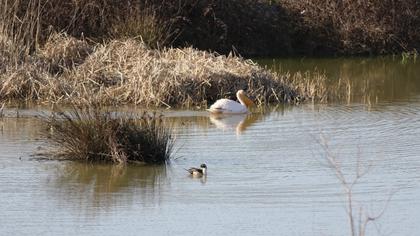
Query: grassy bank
68	70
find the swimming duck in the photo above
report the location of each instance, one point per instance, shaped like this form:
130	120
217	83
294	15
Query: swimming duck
198	171
228	106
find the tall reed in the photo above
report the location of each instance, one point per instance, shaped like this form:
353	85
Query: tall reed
19	30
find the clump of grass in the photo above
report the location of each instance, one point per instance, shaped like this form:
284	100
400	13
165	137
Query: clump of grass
91	135
316	87
409	56
312	85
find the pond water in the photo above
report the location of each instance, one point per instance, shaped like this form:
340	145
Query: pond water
282	171
371	80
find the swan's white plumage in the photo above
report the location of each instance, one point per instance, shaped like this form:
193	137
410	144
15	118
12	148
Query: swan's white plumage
228	106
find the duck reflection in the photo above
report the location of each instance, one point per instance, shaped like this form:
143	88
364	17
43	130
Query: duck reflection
202	179
237	122
102	185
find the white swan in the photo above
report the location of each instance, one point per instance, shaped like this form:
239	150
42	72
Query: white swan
228	106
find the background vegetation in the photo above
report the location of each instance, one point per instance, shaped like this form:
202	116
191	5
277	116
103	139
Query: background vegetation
252	27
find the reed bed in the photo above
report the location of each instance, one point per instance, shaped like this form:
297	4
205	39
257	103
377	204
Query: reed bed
316	87
69	70
19	31
129	72
92	135
61	53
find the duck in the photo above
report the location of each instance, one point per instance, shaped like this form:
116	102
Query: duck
227	106
198	171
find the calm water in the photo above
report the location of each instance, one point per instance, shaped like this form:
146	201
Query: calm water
372	80
270	173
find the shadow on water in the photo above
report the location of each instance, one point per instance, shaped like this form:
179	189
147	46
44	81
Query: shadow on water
101	186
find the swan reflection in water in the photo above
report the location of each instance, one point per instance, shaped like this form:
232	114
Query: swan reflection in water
237	122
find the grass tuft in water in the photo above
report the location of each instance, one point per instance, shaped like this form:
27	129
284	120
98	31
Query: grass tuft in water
93	135
410	56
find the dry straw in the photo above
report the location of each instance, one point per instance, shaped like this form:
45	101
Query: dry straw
93	134
129	72
119	72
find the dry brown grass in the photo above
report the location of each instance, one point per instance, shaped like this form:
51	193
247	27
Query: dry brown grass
19	31
145	24
355	27
92	134
72	71
128	72
61	52
252	27
316	87
27	82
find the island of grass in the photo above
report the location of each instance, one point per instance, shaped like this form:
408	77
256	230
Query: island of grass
68	70
94	134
